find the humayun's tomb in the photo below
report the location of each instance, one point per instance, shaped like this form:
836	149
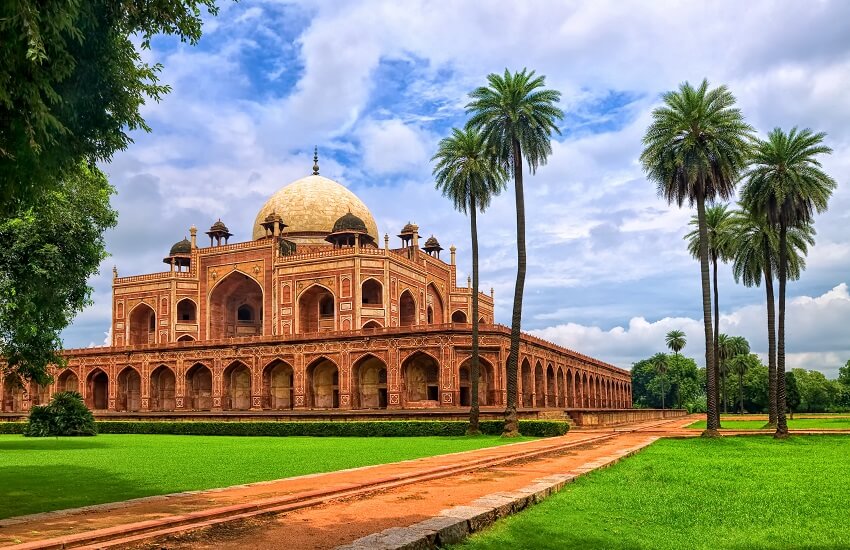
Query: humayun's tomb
316	311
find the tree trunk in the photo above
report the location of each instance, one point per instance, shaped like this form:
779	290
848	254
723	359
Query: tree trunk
474	363
771	338
716	347
511	424
781	423
712	411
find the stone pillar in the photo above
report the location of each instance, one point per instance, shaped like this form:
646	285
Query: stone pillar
452	251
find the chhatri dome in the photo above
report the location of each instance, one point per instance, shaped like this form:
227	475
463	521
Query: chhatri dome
311	206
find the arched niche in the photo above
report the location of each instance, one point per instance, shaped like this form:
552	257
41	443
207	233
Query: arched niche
236	307
237	387
323	384
163	385
406	309
372	293
486	383
67	381
142	325
435	303
187	311
278	385
199	387
458	317
421	378
527	384
369	383
129	390
316	310
98	390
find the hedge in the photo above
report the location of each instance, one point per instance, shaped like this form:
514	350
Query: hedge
386	428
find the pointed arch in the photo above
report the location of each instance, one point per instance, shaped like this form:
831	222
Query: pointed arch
186	338
67	381
278	385
316	310
163	385
436	304
487	394
372	293
539	385
236	387
527	382
129	396
97	386
235	292
407	315
551	387
371	325
421	377
459	317
141	328
323	384
199	387
369	383
187	311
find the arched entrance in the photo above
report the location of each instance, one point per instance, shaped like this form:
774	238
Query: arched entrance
67	381
486	383
435	305
187	312
316	310
551	389
527	385
323	384
278	385
163	385
98	390
236	307
422	379
406	309
372	293
459	317
129	390
369	383
562	388
13	395
199	387
237	387
539	386
142	325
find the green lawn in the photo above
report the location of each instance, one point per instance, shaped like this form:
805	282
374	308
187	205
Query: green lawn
735	492
38	475
825	423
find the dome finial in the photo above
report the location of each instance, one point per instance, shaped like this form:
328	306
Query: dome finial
316	161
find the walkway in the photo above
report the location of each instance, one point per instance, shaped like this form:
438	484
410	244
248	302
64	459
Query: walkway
327	510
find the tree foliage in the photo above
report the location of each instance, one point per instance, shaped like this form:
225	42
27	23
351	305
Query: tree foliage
50	249
682	383
65	415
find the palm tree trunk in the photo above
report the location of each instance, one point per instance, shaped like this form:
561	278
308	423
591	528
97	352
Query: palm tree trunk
712	413
781	423
511	425
771	338
716	347
474	366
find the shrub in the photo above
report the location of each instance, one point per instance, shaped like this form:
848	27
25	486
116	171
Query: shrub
12	427
66	414
388	428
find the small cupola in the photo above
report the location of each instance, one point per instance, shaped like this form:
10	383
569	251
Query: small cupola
180	255
219	232
349	230
273	224
432	246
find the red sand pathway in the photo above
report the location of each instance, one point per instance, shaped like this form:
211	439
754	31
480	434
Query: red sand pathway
373	498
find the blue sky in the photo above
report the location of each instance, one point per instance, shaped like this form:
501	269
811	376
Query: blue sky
376	85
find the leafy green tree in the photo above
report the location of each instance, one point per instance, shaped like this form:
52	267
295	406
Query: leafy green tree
682	382
517	116
659	362
740	365
466	173
694	150
728	348
756	392
756	257
50	249
72	83
786	184
676	341
793	399
718	223
817	394
844	374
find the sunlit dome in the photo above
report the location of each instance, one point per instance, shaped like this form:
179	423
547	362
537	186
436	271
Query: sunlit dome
310	206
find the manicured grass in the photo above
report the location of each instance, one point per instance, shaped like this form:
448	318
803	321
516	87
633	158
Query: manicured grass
38	475
825	423
735	492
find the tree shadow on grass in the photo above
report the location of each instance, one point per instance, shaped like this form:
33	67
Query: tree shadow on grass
33	489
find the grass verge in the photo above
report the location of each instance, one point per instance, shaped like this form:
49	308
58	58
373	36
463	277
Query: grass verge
824	423
734	492
43	474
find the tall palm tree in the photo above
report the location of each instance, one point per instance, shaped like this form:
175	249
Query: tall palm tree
755	257
517	116
786	184
695	150
676	340
659	363
466	173
740	364
717	220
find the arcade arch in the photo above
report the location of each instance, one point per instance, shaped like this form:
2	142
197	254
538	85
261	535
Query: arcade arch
369	383
97	386
236	307
323	384
142	325
316	310
421	378
278	385
199	387
129	390
163	386
486	383
406	309
236	390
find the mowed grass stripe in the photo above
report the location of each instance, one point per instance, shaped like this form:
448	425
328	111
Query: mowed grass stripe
795	424
735	492
39	475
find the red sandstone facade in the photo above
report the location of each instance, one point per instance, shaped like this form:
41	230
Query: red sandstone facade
312	314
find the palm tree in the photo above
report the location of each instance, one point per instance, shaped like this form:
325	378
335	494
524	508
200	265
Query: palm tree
659	363
695	150
516	116
755	257
676	340
740	364
786	184
466	173
729	347
717	219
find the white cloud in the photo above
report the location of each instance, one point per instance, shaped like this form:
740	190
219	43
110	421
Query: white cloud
391	146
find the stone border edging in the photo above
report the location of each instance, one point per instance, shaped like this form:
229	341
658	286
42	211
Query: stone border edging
453	525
